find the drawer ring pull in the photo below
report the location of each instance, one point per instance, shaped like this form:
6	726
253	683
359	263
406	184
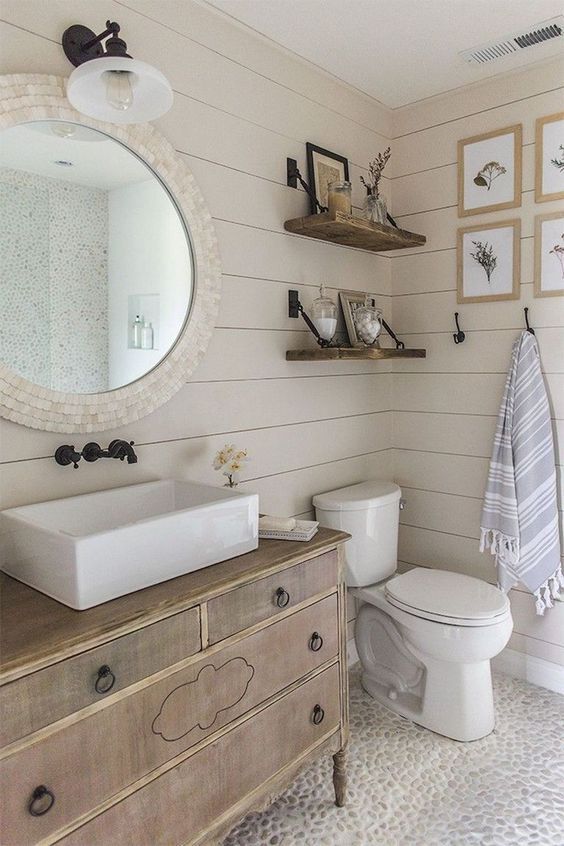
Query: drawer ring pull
318	715
42	800
105	680
282	597
315	642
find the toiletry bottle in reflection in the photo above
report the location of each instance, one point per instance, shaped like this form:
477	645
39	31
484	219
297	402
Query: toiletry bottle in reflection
147	336
137	333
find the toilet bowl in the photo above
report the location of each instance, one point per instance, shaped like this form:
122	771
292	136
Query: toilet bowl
424	638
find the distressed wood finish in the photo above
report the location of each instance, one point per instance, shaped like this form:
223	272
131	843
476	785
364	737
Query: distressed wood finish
352	231
169	717
37	631
352	353
34	701
256	602
179	722
165	811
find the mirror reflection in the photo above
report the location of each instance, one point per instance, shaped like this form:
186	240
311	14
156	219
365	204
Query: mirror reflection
95	263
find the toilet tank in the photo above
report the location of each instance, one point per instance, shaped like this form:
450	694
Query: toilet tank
370	513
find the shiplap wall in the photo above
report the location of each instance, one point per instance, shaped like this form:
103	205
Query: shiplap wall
241	107
445	406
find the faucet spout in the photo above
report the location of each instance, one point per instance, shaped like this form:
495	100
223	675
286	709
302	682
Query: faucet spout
122	449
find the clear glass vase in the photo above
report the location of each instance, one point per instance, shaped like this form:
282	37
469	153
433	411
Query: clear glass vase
375	209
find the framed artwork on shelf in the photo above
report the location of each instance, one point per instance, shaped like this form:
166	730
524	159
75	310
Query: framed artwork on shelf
489	171
489	262
549	158
549	255
350	301
324	167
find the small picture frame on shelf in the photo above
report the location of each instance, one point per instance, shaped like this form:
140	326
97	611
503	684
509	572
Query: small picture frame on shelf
488	262
350	301
489	171
549	255
324	167
549	158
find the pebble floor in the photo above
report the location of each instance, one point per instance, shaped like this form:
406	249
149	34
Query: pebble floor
411	787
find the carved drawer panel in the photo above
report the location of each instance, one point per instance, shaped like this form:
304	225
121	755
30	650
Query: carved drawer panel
241	608
89	761
48	695
164	811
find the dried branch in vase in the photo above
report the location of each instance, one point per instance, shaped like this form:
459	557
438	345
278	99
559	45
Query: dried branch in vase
485	257
375	170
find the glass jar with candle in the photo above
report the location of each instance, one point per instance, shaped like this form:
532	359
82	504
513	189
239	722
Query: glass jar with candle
339	197
324	315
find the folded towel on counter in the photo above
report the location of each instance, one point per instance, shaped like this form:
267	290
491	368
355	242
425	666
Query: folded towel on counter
277	524
520	515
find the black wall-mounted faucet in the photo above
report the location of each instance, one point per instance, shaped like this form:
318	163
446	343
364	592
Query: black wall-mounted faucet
66	454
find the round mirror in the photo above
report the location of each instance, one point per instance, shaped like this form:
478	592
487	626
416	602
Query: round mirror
109	269
95	260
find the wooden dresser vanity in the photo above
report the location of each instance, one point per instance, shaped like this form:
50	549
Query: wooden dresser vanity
165	716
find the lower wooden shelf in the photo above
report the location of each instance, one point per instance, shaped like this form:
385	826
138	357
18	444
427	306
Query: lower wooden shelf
356	353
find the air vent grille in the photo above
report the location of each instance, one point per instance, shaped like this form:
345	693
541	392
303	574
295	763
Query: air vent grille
537	35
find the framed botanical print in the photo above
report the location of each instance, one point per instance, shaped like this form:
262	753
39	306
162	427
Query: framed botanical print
549	255
489	171
324	167
549	158
489	262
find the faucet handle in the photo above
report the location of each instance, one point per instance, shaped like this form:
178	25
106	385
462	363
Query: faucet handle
66	454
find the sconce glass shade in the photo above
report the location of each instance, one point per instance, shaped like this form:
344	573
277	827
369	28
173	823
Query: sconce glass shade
119	90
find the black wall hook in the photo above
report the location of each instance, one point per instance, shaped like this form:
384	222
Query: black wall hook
459	336
532	331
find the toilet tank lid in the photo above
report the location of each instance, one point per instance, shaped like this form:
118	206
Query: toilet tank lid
372	494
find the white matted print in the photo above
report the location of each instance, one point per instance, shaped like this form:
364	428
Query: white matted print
549	255
488	262
549	158
489	171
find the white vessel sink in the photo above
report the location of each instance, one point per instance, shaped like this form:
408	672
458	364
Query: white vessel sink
88	549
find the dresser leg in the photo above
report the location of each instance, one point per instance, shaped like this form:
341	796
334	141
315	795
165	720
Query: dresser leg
340	777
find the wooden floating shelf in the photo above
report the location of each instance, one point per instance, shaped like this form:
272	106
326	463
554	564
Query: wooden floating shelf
351	231
348	353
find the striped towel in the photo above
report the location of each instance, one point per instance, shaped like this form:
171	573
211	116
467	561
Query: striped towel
520	516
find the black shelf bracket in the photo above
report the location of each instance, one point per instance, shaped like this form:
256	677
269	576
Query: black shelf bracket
293	176
295	308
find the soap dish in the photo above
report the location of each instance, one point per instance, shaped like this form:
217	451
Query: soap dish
304	531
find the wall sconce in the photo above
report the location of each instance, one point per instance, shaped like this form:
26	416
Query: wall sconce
107	83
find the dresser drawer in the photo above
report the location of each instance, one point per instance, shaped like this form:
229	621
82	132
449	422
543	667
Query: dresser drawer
237	610
88	762
167	812
48	695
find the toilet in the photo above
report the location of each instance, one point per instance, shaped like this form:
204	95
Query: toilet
425	638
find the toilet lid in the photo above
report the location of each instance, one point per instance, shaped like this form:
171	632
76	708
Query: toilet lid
447	594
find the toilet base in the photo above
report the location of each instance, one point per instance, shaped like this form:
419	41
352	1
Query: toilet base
456	699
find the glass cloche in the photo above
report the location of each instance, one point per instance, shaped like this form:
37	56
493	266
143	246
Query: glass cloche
324	315
367	322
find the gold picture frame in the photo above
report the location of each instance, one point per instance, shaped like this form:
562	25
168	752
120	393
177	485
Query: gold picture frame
556	267
504	149
502	250
542	195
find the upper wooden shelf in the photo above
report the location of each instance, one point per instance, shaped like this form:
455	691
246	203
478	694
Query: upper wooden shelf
351	231
358	353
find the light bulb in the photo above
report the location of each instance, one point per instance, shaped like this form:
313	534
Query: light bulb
119	91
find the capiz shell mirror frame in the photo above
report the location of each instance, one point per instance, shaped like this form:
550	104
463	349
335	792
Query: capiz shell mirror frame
26	98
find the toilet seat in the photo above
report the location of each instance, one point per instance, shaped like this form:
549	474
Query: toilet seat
446	597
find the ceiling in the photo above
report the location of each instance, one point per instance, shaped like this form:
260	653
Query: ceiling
398	51
93	159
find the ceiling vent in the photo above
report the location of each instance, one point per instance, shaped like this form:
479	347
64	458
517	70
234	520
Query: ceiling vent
539	34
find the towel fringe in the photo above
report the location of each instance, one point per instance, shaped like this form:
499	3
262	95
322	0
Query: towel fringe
548	591
504	547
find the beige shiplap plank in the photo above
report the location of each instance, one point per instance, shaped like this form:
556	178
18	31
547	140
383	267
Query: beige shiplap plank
274	450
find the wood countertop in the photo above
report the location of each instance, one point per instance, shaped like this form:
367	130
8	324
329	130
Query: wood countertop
37	631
